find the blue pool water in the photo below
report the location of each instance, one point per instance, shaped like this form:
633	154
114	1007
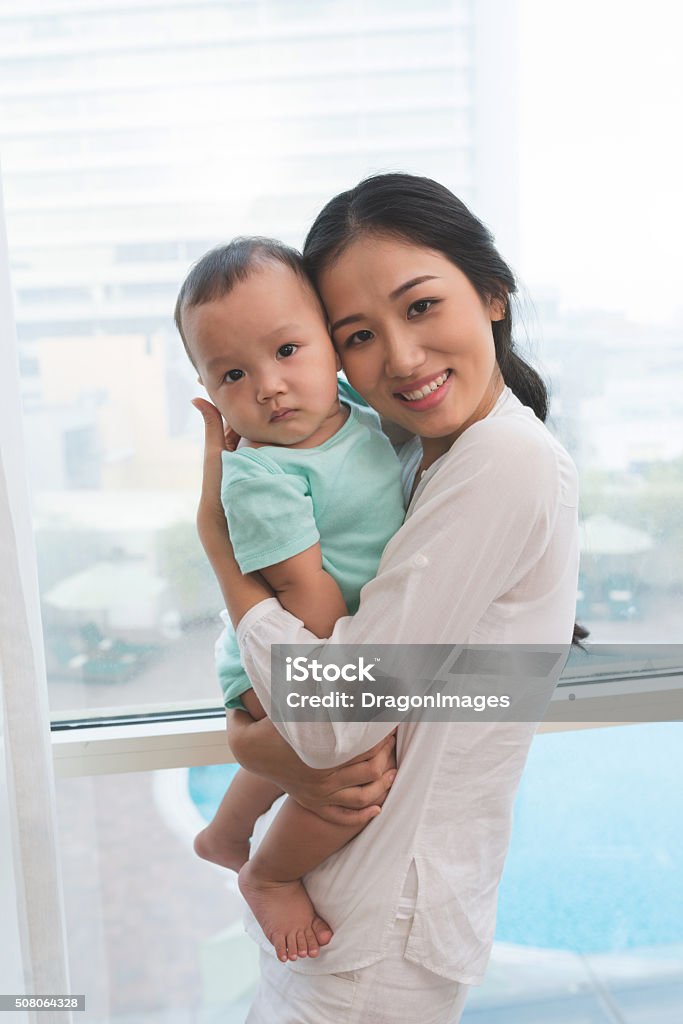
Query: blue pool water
596	859
207	786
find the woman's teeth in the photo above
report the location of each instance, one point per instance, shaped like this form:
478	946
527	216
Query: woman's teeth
413	396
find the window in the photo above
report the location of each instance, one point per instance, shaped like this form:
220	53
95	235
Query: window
163	133
133	141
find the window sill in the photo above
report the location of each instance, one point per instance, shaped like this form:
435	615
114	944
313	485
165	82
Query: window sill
155	744
142	747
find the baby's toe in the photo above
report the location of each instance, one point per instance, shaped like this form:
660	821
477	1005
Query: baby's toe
312	942
291	946
323	932
280	943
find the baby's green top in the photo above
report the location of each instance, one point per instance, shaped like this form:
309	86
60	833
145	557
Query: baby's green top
345	493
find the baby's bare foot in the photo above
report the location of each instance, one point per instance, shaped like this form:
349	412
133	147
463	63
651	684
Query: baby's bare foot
228	853
286	914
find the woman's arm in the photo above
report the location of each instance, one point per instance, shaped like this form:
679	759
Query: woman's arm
240	593
349	795
480	525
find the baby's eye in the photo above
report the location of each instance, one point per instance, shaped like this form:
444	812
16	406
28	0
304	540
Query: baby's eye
419	307
234	375
358	338
287	350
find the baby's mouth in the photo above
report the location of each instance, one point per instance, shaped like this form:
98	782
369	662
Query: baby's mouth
280	414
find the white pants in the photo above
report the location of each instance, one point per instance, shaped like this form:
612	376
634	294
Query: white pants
389	992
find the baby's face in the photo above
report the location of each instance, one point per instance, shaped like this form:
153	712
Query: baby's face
265	357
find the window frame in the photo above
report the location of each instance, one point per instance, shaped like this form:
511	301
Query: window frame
186	740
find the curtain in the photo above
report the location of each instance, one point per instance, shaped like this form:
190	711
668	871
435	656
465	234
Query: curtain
33	943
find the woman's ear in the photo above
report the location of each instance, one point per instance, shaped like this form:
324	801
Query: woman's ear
337	360
497	308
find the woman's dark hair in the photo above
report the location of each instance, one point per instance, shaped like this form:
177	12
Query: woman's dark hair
426	213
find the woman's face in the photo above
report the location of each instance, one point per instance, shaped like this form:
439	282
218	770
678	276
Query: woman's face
414	337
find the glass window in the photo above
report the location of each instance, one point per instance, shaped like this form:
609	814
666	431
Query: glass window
163	133
135	139
590	908
590	901
600	262
131	890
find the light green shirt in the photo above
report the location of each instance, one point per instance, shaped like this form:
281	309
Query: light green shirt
345	493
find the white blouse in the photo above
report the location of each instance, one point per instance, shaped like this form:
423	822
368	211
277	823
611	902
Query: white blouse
488	554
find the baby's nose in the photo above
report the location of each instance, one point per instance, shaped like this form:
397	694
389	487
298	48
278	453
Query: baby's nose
268	386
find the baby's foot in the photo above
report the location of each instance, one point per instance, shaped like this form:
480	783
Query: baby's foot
286	914
228	853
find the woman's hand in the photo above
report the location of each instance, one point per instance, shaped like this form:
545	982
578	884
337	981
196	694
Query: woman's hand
240	592
218	438
351	794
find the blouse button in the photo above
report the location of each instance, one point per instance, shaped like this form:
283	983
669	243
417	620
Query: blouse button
419	561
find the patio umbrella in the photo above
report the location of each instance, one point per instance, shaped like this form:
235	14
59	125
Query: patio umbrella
106	587
601	535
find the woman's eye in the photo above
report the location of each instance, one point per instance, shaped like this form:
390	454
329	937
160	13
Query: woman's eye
357	338
287	350
421	306
234	375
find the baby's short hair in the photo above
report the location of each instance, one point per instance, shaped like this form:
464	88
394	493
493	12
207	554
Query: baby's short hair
220	269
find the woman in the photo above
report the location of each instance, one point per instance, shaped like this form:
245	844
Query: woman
418	301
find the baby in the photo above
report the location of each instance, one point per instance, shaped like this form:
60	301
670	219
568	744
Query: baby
312	495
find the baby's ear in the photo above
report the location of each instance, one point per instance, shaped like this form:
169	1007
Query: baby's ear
200	381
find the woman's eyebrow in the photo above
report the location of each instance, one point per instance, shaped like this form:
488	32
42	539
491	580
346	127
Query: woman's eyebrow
397	292
353	319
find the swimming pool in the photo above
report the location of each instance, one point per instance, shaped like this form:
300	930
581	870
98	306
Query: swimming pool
596	859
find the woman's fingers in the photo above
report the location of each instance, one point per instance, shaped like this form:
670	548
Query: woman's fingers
359	804
360	773
385	748
358	789
218	435
214	428
232	439
371	795
355	775
211	524
347	816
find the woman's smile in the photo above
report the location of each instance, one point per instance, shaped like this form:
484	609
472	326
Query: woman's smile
426	393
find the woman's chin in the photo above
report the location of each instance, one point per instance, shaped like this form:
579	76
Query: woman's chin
433	423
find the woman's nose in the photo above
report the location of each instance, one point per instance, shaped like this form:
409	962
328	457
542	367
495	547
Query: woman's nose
402	354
